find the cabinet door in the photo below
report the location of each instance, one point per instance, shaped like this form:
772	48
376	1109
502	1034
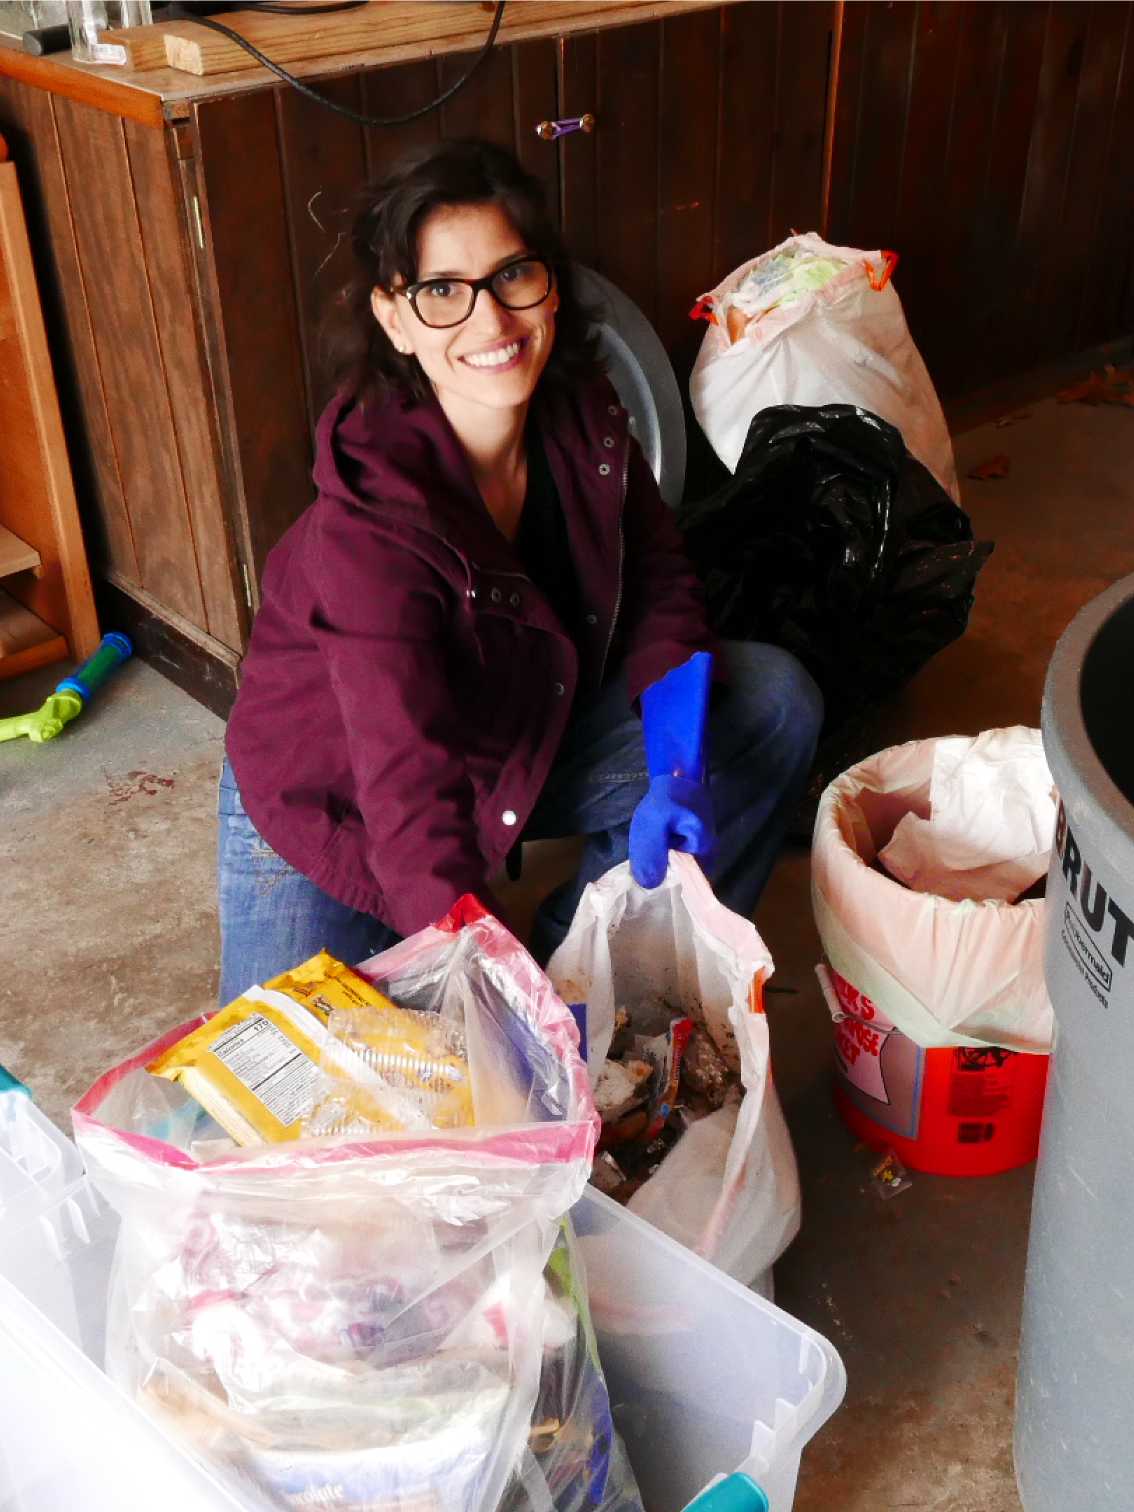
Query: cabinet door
708	149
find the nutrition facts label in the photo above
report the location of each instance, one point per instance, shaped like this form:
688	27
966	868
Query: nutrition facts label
271	1066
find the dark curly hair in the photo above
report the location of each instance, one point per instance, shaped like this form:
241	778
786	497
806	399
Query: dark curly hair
392	210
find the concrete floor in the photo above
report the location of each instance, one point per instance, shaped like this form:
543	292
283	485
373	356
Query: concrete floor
110	927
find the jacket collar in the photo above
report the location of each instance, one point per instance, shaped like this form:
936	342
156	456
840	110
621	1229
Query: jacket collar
404	453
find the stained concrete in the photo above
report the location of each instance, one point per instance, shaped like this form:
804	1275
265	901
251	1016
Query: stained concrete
110	929
107	855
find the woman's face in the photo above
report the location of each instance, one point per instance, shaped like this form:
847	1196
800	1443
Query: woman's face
496	356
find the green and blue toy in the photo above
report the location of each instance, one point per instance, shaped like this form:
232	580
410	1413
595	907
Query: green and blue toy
72	695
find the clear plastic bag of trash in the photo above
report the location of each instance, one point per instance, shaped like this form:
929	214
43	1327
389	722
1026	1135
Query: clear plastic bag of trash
376	1319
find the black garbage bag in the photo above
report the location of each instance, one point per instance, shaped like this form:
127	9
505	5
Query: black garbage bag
834	543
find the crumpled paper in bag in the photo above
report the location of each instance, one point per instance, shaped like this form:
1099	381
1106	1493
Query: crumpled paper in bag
991	824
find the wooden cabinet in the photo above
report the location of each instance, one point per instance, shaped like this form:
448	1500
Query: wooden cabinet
189	261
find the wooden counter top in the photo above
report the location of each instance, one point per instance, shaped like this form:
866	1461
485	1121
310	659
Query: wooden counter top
156	95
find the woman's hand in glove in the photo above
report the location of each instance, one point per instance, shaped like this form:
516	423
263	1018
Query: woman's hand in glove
675	814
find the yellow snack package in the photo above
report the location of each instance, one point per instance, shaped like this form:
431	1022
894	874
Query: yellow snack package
256	1065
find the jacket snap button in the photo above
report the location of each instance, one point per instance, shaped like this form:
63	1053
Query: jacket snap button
608	442
592	619
509	817
496	595
514	600
604	469
559	689
612	409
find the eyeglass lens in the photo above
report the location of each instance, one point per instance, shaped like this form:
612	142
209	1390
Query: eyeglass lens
518	286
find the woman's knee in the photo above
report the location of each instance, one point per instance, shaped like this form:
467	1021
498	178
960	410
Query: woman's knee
773	696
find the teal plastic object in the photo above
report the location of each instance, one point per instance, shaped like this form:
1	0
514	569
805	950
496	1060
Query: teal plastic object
675	713
71	695
736	1493
8	1083
112	651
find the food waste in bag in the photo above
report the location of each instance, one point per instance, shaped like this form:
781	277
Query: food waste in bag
693	1140
651	1090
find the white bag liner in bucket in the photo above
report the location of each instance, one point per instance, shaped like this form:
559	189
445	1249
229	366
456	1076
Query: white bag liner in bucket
945	972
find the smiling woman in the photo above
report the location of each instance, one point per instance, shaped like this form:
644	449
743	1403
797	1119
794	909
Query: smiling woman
453	638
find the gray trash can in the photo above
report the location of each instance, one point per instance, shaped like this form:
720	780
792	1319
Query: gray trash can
1075	1396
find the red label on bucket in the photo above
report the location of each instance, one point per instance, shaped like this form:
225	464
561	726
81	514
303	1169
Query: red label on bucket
981	1084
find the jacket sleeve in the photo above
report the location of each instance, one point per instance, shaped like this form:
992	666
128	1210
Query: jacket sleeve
663	611
382	629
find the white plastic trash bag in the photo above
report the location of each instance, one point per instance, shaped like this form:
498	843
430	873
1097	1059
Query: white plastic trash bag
729	1189
990	824
809	323
944	970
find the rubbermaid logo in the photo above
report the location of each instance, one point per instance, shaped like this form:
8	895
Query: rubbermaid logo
1077	935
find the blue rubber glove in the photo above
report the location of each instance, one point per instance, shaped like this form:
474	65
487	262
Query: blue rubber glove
676	813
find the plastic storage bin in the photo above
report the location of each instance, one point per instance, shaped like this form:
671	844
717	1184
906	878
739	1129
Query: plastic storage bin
705	1377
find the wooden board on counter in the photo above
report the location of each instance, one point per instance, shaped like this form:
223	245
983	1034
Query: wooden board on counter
382	23
155	95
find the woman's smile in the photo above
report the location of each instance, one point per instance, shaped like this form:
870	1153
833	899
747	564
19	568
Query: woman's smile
498	358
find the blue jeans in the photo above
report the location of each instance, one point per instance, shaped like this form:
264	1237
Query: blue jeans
763	726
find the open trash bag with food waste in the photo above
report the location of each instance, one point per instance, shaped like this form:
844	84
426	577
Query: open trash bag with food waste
677	1046
926	870
834	543
344	1272
809	323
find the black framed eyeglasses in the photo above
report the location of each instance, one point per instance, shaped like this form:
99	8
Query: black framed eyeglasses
518	285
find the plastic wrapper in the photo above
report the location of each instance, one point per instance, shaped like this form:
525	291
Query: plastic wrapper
255	1064
371	1321
834	543
728	1186
391	1068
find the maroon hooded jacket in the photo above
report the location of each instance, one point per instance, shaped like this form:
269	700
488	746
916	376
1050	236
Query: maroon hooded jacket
407	686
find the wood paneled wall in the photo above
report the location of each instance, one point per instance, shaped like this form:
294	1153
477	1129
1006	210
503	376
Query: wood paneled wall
988	144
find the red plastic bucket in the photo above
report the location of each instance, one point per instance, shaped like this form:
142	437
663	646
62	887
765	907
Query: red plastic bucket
968	1111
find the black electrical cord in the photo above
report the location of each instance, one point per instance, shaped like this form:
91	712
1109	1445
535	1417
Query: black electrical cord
186	12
